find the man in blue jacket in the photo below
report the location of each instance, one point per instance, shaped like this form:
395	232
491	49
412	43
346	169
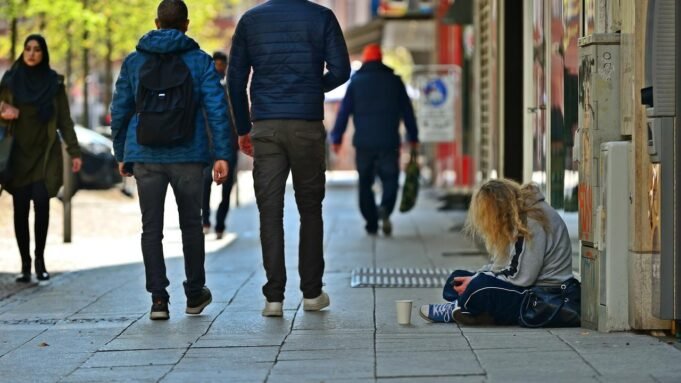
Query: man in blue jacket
378	100
179	165
287	44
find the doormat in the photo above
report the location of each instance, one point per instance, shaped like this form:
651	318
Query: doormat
399	277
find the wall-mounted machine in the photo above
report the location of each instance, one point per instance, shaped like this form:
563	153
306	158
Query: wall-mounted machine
661	96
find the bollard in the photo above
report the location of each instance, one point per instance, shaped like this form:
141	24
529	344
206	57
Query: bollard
67	193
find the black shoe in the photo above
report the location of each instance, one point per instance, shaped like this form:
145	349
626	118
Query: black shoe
23	278
40	271
467	319
159	310
195	305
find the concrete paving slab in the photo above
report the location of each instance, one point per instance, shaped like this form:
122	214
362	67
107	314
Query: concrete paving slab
312	342
171	341
347	355
513	362
526	341
421	342
646	359
313	370
215	370
448	379
426	363
134	358
139	374
246	355
236	340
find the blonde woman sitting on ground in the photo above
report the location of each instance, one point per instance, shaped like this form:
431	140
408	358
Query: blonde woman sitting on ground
529	246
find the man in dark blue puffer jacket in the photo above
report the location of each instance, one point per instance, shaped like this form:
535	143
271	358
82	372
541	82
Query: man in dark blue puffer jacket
287	44
378	100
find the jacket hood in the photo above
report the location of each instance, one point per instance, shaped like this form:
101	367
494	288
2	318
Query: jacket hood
372	66
535	196
166	41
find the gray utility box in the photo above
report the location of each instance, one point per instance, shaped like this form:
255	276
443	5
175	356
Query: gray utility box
603	195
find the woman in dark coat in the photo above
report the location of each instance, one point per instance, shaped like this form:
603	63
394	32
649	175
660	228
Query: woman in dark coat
41	117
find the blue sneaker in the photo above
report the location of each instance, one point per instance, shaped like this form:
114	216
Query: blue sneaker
439	313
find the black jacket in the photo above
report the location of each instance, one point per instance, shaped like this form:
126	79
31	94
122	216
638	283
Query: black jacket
286	43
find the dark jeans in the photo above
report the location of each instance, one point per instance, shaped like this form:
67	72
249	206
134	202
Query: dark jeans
280	147
21	199
223	208
152	185
384	164
487	294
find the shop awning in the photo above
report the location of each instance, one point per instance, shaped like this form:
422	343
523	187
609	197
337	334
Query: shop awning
357	38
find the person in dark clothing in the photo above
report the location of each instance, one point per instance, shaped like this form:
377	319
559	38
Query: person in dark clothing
179	164
287	44
378	100
37	109
220	60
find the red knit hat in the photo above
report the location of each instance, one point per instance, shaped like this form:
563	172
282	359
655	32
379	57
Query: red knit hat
372	52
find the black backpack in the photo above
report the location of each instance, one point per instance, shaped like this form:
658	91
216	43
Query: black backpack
166	106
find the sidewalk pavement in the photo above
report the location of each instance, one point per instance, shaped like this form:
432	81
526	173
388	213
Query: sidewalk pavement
92	325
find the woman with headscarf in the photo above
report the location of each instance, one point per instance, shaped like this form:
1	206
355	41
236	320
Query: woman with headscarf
40	119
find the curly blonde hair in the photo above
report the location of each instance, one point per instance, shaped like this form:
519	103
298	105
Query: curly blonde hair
498	215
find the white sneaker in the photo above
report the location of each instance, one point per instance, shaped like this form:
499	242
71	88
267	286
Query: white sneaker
273	309
316	304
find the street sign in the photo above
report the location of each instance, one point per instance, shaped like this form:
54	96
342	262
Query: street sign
435	106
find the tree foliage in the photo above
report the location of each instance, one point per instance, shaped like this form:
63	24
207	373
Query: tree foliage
123	22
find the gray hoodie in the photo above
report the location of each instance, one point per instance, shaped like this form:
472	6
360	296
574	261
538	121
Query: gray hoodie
543	260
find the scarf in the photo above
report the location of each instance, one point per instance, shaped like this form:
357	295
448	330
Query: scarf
36	86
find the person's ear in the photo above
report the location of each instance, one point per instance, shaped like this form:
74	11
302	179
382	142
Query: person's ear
158	24
186	27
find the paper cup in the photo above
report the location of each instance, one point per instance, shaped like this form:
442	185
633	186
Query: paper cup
403	311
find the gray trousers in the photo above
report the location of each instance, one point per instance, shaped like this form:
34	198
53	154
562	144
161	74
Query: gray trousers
299	147
152	185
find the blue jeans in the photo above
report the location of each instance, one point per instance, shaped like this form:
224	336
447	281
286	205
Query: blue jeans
385	165
487	294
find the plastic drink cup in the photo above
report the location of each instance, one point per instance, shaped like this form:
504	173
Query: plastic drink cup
403	311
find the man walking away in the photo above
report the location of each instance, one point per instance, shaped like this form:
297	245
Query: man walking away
378	100
220	61
287	43
159	134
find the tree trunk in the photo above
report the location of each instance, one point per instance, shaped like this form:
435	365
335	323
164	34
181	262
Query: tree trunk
13	36
69	58
86	74
108	75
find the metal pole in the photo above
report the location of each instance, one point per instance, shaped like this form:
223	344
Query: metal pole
67	193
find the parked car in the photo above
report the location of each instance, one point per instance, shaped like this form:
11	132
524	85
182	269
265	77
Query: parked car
100	169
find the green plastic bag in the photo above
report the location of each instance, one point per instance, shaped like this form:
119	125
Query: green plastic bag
410	190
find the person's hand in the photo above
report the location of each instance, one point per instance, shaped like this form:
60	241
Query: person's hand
76	164
461	284
220	171
8	112
336	148
122	171
245	145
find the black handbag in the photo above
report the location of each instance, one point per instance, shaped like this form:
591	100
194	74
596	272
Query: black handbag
552	306
6	144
